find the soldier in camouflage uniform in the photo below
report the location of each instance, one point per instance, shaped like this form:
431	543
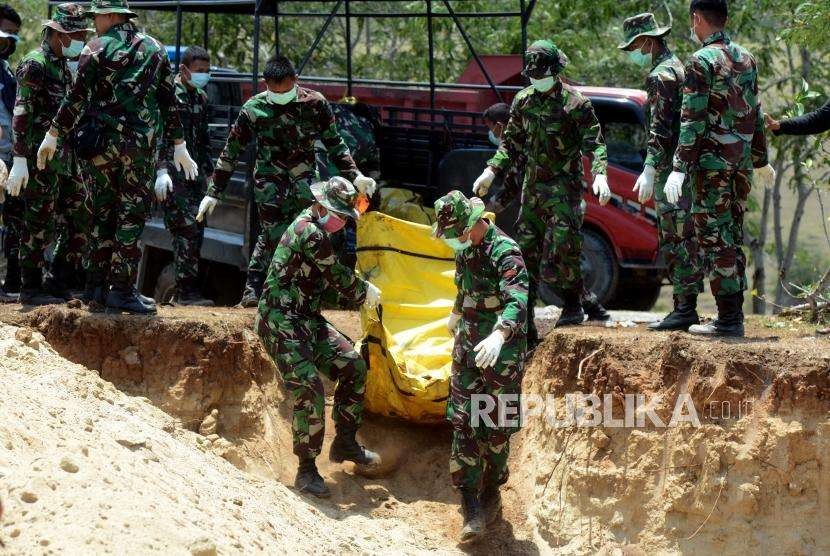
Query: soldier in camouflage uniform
646	47
179	196
304	273
58	191
285	120
489	321
551	127
124	77
721	141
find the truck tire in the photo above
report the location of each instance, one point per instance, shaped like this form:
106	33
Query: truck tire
636	296
600	270
165	285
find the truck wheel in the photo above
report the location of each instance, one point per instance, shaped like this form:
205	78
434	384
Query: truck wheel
165	285
599	269
636	296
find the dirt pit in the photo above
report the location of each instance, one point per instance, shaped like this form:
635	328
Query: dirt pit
754	479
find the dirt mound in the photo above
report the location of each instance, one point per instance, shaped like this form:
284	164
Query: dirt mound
158	403
753	477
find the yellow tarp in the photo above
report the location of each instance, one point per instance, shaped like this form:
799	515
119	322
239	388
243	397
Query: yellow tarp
408	344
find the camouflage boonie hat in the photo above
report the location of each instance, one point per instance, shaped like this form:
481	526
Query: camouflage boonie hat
68	18
542	56
337	195
641	25
102	7
455	214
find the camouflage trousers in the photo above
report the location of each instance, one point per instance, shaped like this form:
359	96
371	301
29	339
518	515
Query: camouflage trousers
56	208
13	208
121	200
180	210
303	346
718	208
548	233
479	452
678	242
277	207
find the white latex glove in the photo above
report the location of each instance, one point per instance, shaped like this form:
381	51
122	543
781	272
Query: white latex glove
766	176
46	150
487	352
18	177
482	184
365	185
452	322
183	162
372	296
206	207
674	187
164	185
645	184
601	189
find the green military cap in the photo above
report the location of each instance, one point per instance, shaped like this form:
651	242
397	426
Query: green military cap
337	195
102	7
455	214
541	56
641	25
68	18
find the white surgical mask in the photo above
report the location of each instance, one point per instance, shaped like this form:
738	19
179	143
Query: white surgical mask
282	98
493	139
73	67
543	85
457	245
74	49
199	80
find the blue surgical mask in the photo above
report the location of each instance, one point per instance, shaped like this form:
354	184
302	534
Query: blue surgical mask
199	80
693	36
74	49
638	57
282	98
457	245
493	139
543	85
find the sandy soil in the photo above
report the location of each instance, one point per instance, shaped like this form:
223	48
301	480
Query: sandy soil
123	399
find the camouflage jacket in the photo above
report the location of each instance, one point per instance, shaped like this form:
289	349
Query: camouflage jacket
194	113
359	135
546	136
285	136
114	71
491	277
665	95
305	270
43	81
721	124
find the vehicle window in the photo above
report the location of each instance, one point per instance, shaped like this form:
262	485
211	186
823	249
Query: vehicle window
624	131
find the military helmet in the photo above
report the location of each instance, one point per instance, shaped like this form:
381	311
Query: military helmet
543	58
455	214
337	195
641	25
102	7
68	18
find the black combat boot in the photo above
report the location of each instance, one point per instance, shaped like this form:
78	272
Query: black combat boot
12	282
682	317
491	503
189	294
309	479
32	292
253	290
474	524
593	308
126	299
730	321
96	290
345	447
572	313
55	282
